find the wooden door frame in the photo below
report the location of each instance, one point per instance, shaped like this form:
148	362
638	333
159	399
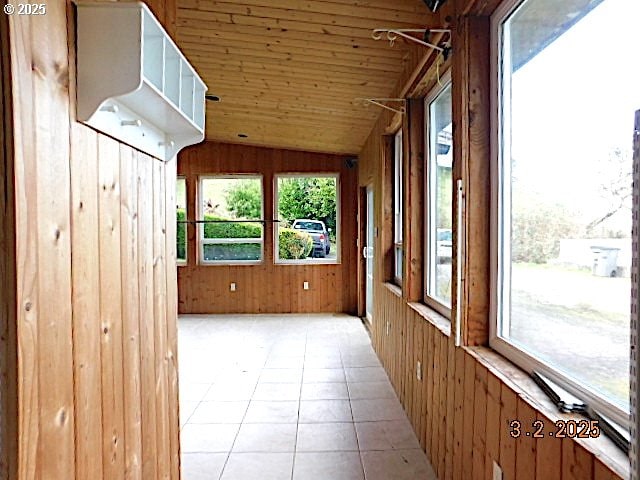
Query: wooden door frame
362	240
8	307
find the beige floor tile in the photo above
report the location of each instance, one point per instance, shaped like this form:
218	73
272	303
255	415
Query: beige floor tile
272	412
397	465
213	438
366	374
264	437
376	410
230	391
328	466
258	466
321	375
324	391
371	390
281	375
324	411
386	435
220	412
193	392
202	466
277	391
326	437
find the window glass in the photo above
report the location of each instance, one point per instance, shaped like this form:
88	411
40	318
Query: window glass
440	197
397	208
308	228
565	185
181	217
231	212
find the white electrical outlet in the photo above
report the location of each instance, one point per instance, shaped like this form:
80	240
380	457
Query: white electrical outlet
497	471
232	287
419	370
305	285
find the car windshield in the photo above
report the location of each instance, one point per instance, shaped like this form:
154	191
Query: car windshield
308	226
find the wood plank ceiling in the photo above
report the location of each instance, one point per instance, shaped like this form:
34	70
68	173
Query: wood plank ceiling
288	71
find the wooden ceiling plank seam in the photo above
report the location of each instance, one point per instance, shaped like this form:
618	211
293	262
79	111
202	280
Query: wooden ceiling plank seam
374	68
287	52
225	39
326	8
283	119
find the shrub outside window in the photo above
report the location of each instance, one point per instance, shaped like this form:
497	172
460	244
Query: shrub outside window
181	217
398	175
231	213
307	208
562	186
439	187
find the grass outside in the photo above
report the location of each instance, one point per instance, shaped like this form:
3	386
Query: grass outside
575	321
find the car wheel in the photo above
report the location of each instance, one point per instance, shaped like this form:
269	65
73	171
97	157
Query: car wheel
327	250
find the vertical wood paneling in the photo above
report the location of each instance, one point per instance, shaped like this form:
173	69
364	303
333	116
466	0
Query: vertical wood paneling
146	316
172	315
130	324
8	300
479	421
269	288
111	307
84	239
86	301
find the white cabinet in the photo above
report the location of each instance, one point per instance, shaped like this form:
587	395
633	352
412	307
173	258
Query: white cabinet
133	82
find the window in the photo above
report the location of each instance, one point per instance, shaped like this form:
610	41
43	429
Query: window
307	208
231	228
181	216
562	230
397	208
439	197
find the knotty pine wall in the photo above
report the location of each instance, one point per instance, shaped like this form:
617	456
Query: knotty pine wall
96	279
268	288
461	408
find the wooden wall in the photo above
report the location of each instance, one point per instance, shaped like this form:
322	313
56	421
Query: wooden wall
96	282
268	288
461	408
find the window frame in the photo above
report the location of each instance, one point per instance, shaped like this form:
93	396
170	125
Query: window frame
276	230
202	241
429	182
183	262
398	206
500	248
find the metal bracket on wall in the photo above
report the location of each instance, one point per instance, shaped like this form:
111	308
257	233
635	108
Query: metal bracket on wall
382	102
407	33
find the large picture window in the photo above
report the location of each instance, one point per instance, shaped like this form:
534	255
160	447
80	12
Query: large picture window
181	217
563	187
231	214
439	204
307	209
397	208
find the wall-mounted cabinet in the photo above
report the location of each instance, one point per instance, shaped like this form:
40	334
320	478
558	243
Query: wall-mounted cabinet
133	82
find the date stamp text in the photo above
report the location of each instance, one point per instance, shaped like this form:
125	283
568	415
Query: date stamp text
560	429
25	8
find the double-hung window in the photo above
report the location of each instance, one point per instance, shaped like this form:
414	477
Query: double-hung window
439	188
562	193
398	210
231	227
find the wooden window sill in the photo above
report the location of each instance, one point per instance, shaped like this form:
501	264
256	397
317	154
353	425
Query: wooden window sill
524	386
439	321
393	288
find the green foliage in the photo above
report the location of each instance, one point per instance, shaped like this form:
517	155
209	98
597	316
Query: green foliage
308	197
293	244
537	228
230	229
236	251
244	199
181	235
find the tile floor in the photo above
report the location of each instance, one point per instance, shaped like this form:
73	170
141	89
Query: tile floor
302	397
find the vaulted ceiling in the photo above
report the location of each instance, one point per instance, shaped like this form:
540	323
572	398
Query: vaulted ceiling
288	71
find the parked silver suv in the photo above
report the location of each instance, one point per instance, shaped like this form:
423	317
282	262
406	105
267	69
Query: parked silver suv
319	233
